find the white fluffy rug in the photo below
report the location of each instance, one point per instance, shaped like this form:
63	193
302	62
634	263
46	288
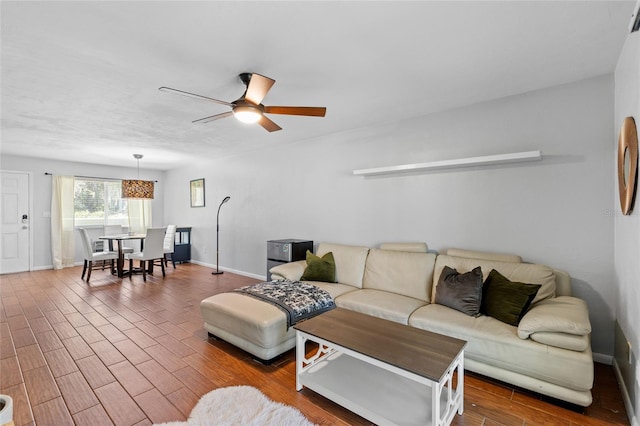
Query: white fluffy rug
241	405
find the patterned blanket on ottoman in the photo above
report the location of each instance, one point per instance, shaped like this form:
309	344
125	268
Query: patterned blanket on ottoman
299	300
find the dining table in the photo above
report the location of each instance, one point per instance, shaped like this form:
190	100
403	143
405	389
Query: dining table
119	239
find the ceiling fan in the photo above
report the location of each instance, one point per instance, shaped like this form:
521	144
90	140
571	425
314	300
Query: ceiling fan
248	108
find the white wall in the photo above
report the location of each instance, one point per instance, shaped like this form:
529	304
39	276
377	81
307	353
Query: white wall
41	225
627	228
556	211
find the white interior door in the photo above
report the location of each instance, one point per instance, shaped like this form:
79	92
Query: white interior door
15	222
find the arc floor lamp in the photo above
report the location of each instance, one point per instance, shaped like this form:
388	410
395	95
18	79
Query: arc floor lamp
218	271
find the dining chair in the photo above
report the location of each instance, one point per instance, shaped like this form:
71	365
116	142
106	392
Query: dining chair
97	246
153	250
90	256
116	230
169	243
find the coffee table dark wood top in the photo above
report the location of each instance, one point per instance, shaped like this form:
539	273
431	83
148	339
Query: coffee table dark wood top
418	351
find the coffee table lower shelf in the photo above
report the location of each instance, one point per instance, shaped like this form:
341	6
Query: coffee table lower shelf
377	391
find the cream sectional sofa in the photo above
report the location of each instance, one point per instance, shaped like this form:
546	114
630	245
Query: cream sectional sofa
548	352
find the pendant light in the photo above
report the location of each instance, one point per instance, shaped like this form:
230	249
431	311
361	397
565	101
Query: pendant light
136	188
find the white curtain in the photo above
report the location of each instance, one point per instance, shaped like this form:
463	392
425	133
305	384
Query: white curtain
62	230
139	215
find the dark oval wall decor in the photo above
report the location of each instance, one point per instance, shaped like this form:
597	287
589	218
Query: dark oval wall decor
627	164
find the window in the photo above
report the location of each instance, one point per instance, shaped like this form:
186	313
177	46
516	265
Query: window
98	203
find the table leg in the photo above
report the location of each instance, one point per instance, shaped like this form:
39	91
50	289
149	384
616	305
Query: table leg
120	260
300	355
436	390
460	386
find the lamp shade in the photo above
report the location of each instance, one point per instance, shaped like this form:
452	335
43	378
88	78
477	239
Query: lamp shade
134	188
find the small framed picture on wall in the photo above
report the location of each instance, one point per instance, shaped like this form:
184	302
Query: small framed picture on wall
197	193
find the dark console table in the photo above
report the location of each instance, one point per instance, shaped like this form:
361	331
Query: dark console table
182	248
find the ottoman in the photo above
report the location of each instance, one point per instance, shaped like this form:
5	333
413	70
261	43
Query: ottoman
248	323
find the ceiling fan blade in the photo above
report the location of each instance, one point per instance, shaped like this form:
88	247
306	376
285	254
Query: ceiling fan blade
294	110
193	95
258	87
269	125
213	117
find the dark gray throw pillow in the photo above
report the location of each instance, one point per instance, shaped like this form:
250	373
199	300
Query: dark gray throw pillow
462	292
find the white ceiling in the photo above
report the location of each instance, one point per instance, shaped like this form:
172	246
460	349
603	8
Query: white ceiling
80	79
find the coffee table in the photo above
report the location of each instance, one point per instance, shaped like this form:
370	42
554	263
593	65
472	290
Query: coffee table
386	372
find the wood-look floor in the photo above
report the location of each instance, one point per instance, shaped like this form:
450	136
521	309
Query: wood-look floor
126	352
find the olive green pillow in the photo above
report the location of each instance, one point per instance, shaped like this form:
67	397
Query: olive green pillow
320	268
505	300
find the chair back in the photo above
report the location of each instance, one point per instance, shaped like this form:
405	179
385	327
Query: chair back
153	243
87	250
119	230
169	239
113	230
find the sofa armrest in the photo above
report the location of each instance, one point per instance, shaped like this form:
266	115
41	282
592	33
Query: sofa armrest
289	271
564	315
571	342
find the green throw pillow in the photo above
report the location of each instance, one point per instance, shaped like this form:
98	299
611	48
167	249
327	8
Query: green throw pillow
505	300
320	268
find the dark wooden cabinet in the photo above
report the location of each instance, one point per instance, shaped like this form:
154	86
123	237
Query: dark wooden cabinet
182	247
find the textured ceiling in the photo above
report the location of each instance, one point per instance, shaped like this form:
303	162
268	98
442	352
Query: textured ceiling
80	79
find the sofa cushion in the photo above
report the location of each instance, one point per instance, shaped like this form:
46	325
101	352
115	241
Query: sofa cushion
405	273
506	300
414	247
335	289
522	272
484	255
462	292
320	268
350	261
495	343
381	304
563	283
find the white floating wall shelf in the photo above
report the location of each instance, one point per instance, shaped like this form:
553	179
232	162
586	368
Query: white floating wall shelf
516	157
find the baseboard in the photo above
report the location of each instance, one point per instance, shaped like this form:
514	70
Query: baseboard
42	268
233	271
625	395
603	359
209	265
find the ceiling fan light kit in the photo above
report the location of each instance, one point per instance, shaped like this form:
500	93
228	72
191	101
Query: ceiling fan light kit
247	113
249	108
